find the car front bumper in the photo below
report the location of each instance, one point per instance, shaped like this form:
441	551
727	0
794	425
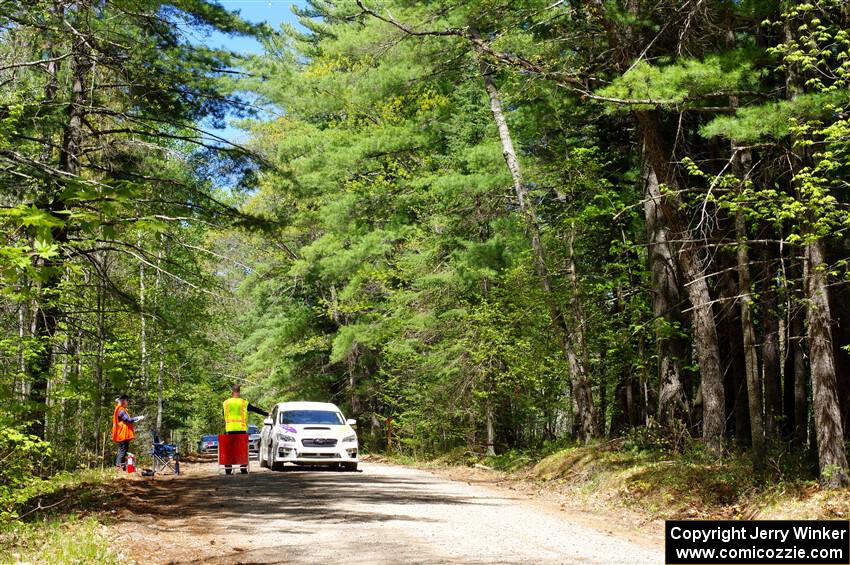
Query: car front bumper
292	452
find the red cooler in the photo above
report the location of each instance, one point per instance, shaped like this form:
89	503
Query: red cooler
232	450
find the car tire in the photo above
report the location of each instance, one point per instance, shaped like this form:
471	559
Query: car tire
278	466
349	467
263	462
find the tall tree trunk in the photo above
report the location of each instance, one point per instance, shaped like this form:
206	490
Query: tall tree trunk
19	387
51	86
45	318
491	430
672	400
160	372
830	435
772	368
750	354
731	342
741	159
786	356
580	387
602	410
67	360
696	285
100	348
144	361
576	338
840	308
801	385
160	375
659	158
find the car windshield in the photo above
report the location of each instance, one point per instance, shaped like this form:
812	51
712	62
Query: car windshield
311	417
209	438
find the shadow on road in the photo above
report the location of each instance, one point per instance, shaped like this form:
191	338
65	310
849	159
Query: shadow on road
306	496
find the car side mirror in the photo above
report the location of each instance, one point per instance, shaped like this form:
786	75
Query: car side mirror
351	422
268	422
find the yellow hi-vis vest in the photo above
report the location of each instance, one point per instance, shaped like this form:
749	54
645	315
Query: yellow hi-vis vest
236	415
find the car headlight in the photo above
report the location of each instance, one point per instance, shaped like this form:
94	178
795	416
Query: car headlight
285	437
349	439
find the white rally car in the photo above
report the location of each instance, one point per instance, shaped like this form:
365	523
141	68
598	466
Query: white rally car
308	433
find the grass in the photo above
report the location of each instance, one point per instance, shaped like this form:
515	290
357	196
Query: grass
58	541
59	524
690	484
452	458
660	480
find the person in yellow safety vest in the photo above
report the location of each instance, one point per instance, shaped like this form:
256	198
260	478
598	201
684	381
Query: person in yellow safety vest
236	417
123	429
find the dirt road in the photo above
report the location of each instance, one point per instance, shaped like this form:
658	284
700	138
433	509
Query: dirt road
383	514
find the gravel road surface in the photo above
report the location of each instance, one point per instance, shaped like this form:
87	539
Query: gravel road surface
383	514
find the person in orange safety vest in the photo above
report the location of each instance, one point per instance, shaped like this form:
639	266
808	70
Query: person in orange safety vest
123	429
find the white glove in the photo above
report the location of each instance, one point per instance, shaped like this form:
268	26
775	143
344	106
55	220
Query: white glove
139	418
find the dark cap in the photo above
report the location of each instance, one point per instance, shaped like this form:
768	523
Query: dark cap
123	397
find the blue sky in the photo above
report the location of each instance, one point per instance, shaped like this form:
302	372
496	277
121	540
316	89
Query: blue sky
273	12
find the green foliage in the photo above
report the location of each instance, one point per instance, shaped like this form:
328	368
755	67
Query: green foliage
775	120
370	247
107	200
685	81
23	456
57	542
684	484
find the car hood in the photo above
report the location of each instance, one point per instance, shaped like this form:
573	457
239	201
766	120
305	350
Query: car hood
316	430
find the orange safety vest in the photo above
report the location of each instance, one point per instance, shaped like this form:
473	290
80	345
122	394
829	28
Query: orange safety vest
121	430
235	415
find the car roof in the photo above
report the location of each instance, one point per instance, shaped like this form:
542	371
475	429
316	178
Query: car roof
308	406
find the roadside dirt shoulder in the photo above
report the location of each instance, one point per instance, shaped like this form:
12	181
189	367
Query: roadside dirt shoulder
557	498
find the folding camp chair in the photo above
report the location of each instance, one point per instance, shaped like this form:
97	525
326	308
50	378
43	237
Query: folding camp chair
166	459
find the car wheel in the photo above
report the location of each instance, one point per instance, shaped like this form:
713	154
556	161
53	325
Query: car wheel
349	466
274	465
263	462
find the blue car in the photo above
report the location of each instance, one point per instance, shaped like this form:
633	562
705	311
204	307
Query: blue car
208	444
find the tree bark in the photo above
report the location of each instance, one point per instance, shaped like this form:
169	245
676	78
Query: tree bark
770	354
491	430
741	159
800	376
829	433
160	372
160	375
580	387
696	285
731	343
19	387
750	354
47	312
143	337
693	273
672	400
99	358
832	457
